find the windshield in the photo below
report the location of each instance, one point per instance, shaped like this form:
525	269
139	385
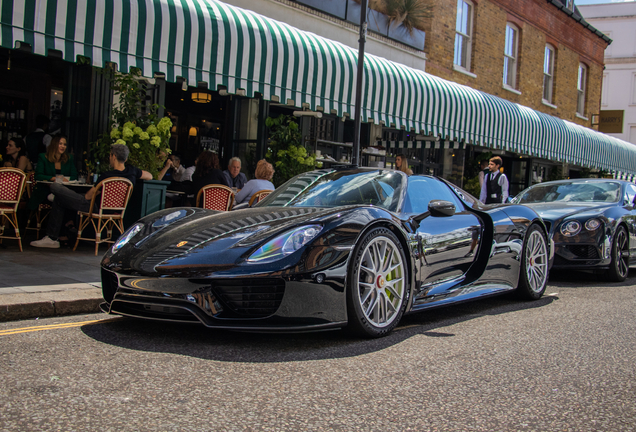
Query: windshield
581	191
331	188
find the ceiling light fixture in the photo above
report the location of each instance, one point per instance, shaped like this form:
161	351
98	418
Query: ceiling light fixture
201	97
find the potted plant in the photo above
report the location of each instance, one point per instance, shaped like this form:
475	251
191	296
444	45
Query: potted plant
147	137
285	150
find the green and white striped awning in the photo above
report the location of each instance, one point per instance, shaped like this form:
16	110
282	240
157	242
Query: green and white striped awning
222	45
427	144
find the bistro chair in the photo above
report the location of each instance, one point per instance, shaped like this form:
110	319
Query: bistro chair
215	197
258	196
12	185
106	210
41	212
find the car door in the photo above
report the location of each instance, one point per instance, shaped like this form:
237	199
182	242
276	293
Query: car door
450	243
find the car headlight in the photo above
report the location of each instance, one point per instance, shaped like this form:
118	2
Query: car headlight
285	244
125	238
570	228
592	224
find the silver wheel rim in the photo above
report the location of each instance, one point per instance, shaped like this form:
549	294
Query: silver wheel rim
536	261
622	264
381	281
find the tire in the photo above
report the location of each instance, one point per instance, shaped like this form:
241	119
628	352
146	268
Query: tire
619	266
533	277
377	291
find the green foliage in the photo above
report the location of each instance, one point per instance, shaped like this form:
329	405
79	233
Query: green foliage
285	150
146	136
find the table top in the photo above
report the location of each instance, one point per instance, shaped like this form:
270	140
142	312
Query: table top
74	183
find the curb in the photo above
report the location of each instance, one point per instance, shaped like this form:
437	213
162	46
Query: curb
47	309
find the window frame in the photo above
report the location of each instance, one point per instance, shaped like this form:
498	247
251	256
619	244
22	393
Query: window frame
511	59
548	75
467	38
581	88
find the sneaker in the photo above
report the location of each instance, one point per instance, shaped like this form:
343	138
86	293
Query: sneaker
46	242
469	254
50	197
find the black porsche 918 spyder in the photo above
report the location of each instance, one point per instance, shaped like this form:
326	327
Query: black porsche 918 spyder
591	221
330	248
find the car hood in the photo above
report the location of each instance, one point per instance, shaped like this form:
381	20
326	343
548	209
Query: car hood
560	210
203	237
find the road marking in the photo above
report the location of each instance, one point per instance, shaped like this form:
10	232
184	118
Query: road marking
52	327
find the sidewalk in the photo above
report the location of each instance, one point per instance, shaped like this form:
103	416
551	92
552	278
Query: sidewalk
48	282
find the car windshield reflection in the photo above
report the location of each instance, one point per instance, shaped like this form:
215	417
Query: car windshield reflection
580	191
330	188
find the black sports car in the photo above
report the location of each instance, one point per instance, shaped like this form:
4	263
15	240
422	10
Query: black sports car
330	248
591	222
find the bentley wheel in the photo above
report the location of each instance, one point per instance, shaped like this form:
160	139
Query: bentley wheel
619	266
534	265
378	287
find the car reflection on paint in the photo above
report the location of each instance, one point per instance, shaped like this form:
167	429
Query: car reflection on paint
342	247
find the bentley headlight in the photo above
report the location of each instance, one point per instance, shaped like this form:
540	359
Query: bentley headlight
125	238
570	228
592	224
285	244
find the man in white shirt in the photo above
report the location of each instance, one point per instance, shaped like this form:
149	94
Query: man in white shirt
495	187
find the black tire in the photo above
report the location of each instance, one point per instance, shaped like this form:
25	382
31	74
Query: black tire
619	266
378	288
533	277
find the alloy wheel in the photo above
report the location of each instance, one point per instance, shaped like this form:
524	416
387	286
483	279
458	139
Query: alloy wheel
536	261
381	284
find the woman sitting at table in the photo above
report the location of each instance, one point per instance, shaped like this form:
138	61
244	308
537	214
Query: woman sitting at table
56	161
17	155
264	173
207	172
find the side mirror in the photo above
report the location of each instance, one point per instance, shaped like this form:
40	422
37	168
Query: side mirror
441	208
436	208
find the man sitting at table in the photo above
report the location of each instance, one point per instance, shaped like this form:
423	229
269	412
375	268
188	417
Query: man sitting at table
66	199
233	175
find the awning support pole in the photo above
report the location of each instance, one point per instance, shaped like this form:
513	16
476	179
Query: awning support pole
355	156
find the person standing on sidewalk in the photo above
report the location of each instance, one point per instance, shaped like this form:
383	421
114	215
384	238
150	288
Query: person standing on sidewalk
495	187
66	199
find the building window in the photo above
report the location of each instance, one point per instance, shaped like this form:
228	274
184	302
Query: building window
580	87
510	56
548	73
604	89
633	100
463	34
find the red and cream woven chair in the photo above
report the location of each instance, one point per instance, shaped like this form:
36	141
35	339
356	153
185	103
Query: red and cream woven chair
106	211
215	197
258	196
12	185
41	212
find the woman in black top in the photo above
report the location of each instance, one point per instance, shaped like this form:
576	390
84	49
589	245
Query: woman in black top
207	172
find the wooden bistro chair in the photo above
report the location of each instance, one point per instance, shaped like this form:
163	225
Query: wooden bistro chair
258	196
106	210
41	212
12	185
215	197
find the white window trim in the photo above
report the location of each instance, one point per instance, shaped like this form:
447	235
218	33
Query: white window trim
510	89
514	56
605	88
632	101
581	117
584	90
552	49
469	37
546	103
460	69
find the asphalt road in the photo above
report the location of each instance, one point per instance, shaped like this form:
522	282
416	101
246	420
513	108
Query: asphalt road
564	363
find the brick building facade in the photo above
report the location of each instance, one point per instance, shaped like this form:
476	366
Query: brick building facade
540	22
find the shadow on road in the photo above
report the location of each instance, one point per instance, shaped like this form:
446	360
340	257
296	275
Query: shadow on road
597	279
229	346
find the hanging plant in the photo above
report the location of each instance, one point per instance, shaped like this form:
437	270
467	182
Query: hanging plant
285	150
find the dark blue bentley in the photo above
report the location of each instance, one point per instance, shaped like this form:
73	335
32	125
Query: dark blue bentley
591	222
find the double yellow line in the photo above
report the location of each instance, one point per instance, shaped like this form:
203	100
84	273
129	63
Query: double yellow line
52	327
